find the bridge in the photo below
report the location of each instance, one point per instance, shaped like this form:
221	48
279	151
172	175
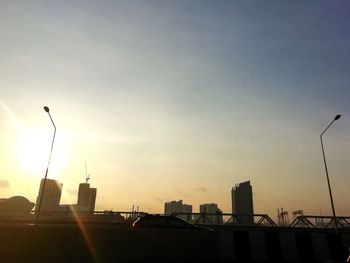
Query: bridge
211	219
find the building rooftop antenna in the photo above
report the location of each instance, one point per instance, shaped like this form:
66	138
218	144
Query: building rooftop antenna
87	176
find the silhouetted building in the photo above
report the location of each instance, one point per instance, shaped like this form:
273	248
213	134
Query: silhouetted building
50	204
51	197
283	217
212	208
86	198
177	207
242	202
16	207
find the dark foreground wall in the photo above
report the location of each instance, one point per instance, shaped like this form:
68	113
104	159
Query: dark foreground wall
282	245
69	243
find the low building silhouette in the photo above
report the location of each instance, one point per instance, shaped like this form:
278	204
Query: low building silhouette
177	208
16	207
215	214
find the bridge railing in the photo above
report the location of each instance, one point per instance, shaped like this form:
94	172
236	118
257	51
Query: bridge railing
309	221
127	217
227	219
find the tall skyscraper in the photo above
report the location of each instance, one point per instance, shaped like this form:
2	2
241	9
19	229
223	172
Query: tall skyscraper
86	198
242	202
177	207
51	196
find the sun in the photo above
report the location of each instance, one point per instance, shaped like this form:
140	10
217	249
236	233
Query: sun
34	149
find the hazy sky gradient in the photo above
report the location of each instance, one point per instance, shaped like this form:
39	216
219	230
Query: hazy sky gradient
169	100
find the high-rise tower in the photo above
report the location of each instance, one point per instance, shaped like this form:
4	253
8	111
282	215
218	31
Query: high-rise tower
51	196
86	198
242	202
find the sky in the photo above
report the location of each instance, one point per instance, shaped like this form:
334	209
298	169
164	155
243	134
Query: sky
169	100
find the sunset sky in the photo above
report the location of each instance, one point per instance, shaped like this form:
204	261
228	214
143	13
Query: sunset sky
168	100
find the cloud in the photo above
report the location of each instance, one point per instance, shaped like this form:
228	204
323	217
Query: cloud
4	184
202	189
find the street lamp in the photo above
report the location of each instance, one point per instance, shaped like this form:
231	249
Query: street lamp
47	168
337	117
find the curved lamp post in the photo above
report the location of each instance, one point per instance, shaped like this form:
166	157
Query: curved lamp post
337	117
47	168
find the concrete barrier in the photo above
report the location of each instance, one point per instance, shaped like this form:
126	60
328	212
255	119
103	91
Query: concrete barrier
242	247
69	243
336	246
258	246
320	247
273	246
226	245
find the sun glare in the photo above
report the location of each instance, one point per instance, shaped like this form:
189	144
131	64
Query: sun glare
34	149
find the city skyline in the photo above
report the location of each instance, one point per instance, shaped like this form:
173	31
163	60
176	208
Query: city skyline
168	101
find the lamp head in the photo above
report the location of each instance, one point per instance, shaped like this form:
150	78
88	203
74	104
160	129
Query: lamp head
46	109
337	117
